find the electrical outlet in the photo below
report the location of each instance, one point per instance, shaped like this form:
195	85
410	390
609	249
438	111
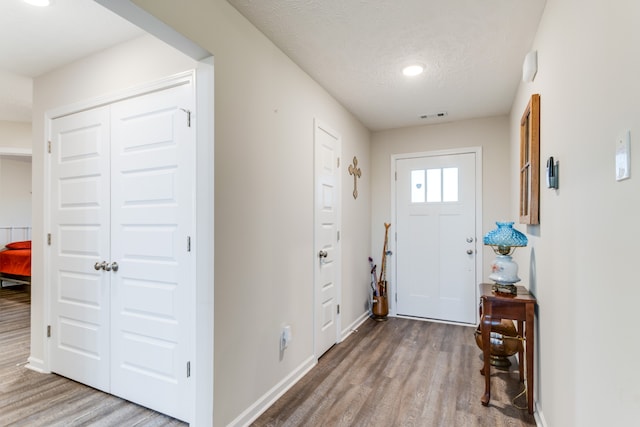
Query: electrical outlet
285	337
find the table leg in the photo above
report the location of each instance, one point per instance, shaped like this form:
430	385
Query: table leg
529	348
486	351
520	351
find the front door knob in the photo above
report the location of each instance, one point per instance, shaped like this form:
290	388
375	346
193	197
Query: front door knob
322	254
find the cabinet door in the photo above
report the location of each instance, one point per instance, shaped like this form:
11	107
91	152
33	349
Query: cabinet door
80	233
152	217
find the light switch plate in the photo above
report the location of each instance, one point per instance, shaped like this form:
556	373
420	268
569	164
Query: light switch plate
623	164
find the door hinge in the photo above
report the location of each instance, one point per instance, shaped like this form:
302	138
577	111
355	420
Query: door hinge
396	175
338	162
49	146
48	331
396	297
338	308
338	236
188	369
188	116
188	243
49	239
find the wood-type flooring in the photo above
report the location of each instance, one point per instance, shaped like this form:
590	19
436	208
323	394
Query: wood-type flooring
401	372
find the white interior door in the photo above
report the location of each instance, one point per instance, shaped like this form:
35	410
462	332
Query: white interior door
436	237
152	293
122	194
80	193
327	245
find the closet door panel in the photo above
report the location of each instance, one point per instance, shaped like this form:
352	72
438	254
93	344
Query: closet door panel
152	220
80	234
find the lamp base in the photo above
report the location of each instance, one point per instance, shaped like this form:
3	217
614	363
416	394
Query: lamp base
503	288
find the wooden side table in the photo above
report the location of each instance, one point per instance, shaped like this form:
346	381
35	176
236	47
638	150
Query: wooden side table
520	307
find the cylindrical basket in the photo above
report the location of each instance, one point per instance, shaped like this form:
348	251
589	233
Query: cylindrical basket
380	308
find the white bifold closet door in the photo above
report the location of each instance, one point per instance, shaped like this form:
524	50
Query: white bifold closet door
122	270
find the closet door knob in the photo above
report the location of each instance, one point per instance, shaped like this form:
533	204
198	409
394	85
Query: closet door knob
114	266
106	267
100	265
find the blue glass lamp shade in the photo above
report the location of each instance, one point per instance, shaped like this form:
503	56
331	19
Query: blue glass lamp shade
504	240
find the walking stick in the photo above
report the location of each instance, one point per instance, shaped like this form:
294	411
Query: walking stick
382	283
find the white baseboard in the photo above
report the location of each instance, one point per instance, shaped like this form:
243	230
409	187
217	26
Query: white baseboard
36	364
269	398
539	416
354	326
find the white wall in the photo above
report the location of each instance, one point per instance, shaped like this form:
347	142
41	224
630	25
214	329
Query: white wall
15	173
127	65
15	191
15	135
492	134
582	258
264	254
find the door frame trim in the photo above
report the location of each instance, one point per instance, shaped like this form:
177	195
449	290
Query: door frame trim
478	214
319	124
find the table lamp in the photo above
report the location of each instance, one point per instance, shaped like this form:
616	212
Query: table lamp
504	271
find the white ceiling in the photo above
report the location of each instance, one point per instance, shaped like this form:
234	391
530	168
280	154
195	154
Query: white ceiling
473	51
36	40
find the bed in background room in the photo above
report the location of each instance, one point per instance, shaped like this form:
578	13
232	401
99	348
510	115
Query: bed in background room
15	263
15	255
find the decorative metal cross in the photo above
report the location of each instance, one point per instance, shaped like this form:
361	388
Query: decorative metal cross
357	173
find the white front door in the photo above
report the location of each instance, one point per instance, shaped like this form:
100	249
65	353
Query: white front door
122	198
436	237
327	245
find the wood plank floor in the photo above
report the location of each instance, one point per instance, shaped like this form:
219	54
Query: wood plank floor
28	398
395	373
401	373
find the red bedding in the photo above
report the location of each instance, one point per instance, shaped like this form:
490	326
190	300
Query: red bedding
15	261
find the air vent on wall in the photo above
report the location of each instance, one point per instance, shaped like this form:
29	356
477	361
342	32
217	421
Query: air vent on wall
439	115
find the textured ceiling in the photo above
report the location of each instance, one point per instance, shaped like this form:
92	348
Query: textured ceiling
472	51
36	40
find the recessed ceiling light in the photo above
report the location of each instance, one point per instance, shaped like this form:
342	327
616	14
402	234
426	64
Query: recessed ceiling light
39	3
413	70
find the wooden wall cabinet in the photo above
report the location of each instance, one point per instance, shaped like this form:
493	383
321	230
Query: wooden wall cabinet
530	162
